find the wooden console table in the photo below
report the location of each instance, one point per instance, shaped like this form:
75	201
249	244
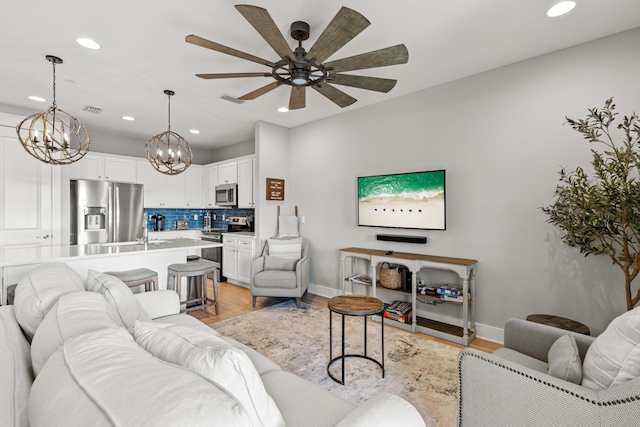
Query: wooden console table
461	331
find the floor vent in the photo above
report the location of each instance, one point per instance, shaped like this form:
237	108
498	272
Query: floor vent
90	109
231	98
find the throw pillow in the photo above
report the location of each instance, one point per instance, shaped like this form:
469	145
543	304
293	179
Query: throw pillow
614	357
212	357
290	247
564	360
74	314
278	263
38	292
118	296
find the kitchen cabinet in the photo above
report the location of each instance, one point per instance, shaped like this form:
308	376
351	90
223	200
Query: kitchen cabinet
193	184
237	253
228	173
160	190
104	167
210	181
30	198
245	184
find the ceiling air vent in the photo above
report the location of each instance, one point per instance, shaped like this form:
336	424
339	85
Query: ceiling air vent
90	109
231	98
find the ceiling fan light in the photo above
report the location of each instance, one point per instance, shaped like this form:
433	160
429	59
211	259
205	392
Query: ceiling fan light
299	77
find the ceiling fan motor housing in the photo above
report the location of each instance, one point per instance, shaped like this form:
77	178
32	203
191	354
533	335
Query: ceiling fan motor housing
300	30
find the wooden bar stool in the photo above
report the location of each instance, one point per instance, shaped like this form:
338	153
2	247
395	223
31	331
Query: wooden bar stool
198	268
137	277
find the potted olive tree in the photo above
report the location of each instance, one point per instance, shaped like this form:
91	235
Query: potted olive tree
599	212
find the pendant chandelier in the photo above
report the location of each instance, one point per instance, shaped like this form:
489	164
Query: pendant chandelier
168	152
54	136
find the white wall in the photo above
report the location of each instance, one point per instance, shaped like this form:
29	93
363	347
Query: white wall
501	139
272	161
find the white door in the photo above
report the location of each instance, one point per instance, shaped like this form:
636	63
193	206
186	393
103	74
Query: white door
119	169
29	192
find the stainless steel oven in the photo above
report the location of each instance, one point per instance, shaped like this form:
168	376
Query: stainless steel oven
213	254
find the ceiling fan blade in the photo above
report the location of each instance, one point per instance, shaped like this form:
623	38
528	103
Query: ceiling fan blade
297	99
345	26
260	19
231	75
364	82
335	95
259	92
378	58
199	41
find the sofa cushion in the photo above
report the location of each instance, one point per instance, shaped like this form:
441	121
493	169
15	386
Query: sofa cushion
104	378
279	263
614	356
522	359
15	371
118	296
564	360
74	314
383	410
210	356
303	403
37	292
275	279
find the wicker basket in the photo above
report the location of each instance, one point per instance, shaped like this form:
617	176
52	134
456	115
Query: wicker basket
390	277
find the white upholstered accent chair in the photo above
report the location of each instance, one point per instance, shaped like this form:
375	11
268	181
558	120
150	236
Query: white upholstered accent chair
278	273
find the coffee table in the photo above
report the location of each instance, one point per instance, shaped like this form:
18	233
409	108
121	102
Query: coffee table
354	305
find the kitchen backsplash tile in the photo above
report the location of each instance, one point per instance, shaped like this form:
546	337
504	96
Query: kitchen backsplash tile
218	216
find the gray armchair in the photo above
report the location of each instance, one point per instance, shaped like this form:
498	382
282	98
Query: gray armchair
274	277
511	387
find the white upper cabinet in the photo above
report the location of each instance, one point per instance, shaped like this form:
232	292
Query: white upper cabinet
160	190
228	173
209	185
245	184
104	167
193	183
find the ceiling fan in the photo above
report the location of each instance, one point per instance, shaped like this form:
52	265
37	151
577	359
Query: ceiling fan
300	69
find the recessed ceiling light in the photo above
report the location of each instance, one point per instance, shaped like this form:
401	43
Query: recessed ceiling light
128	118
88	43
283	109
37	98
194	131
561	8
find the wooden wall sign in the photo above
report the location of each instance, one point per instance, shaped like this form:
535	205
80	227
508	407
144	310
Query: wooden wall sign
275	189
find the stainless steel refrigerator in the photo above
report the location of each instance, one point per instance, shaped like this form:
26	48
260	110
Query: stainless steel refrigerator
105	212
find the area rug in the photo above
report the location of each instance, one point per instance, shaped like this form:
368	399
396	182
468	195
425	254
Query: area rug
422	371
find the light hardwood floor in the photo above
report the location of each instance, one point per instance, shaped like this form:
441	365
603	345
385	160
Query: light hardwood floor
236	300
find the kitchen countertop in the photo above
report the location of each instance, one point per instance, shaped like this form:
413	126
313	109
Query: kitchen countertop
29	254
239	233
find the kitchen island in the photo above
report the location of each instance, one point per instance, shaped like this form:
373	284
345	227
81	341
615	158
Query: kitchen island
17	260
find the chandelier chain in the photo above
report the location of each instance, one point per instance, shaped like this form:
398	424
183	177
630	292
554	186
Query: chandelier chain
54	85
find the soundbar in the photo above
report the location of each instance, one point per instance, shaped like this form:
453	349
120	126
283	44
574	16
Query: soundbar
403	239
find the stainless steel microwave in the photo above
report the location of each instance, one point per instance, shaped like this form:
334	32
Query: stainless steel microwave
227	195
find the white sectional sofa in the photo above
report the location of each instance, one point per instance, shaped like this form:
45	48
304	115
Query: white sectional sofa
77	352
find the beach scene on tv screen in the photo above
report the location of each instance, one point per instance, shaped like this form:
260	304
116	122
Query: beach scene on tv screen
411	200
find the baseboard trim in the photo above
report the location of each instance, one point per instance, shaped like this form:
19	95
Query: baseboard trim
486	332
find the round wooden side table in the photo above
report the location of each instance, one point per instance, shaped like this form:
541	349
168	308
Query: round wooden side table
559	322
354	305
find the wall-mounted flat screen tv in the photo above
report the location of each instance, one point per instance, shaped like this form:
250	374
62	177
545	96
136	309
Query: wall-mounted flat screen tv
403	200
